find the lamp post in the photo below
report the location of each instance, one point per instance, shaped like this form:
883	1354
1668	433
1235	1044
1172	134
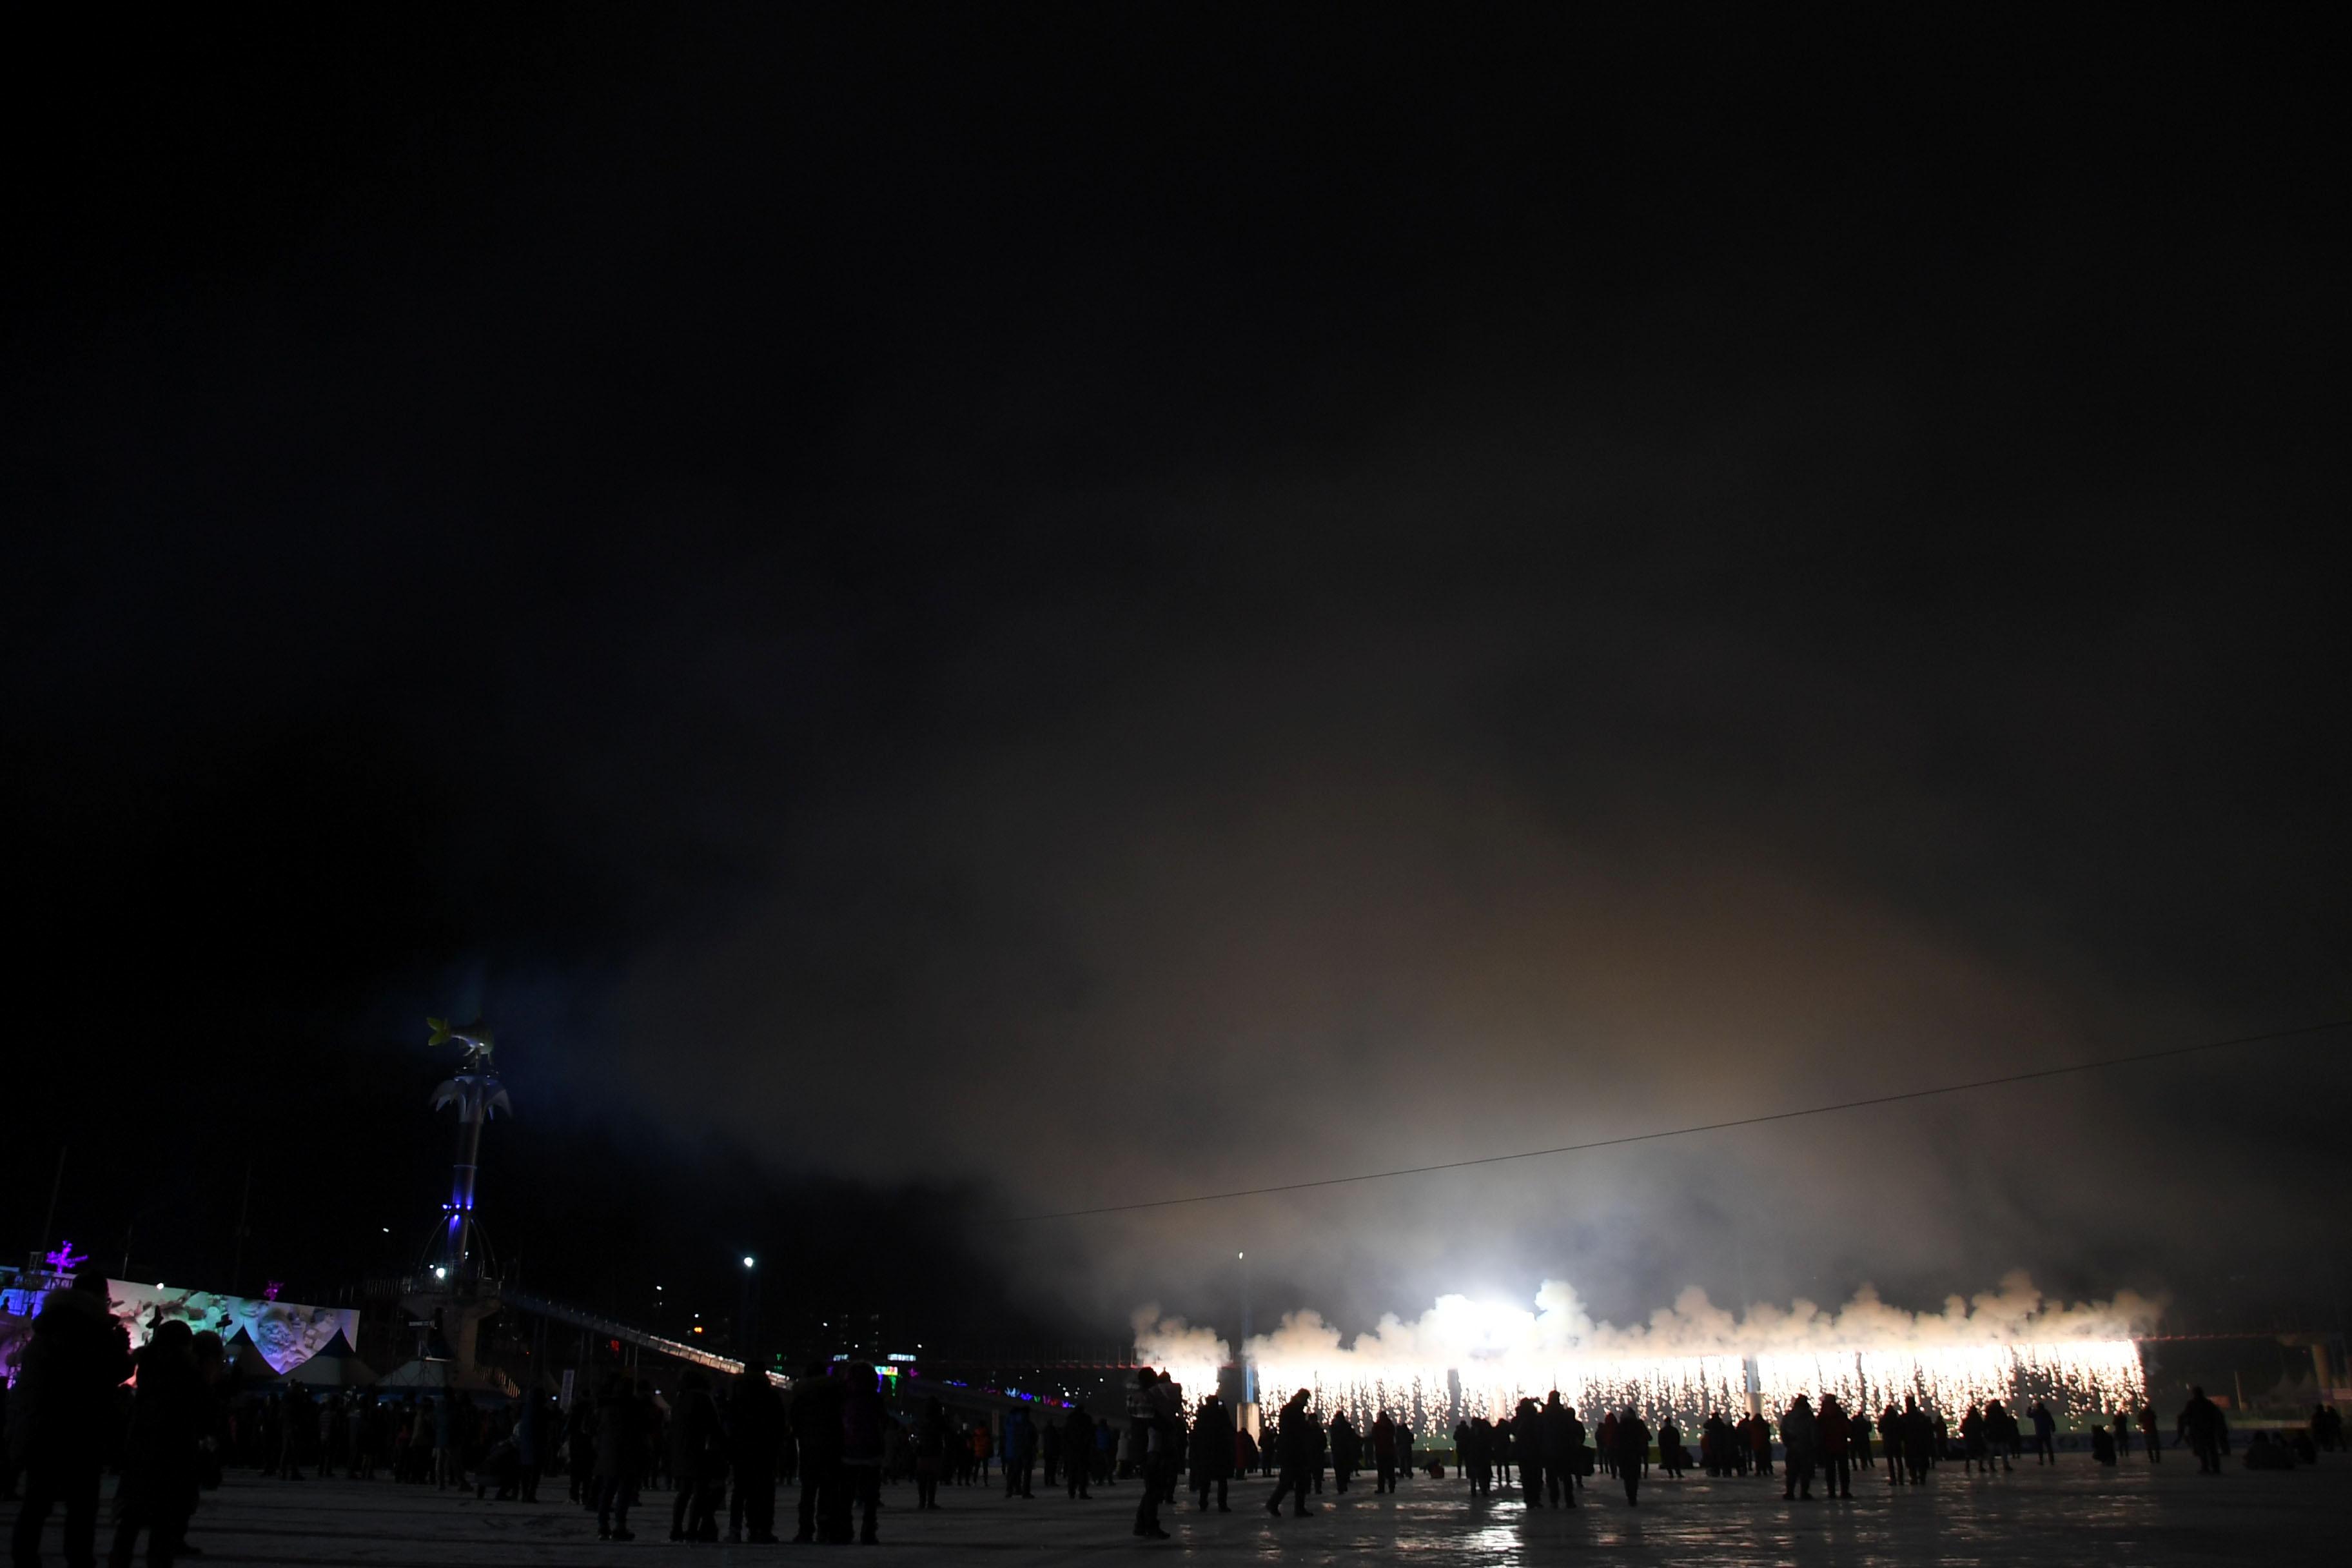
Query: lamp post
1249	1380
747	1312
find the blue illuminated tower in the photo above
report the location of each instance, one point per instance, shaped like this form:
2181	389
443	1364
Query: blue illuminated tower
477	1093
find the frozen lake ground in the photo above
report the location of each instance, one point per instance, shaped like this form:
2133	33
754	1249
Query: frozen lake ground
2076	1514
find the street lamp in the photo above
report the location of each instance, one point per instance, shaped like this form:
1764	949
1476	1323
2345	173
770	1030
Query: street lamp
747	1311
1249	1378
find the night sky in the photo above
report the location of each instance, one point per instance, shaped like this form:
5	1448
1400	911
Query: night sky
949	614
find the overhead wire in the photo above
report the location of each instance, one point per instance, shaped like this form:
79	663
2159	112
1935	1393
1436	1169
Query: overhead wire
1865	1103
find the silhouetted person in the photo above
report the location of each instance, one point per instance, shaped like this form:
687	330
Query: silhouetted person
1976	1444
1800	1431
65	1416
2200	1427
1404	1450
580	1437
1563	1447
2326	1427
1212	1453
816	1430
1347	1450
621	1426
2045	1434
1670	1448
1832	1430
299	1425
695	1453
1079	1443
1633	1452
755	1421
1383	1453
159	1463
1527	1451
2000	1432
932	1436
2150	1435
1020	1452
1291	1432
2264	1453
861	1419
1162	1419
1918	1440
2123	1433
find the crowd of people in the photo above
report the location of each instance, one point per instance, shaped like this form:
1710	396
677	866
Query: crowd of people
167	1418
835	1440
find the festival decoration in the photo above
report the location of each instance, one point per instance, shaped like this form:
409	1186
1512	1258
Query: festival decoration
477	1095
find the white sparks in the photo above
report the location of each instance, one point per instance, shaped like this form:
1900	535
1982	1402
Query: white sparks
1463	1358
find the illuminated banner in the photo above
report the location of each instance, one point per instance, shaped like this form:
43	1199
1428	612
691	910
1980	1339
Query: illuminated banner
288	1333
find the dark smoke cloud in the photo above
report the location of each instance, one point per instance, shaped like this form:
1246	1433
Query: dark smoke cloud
1107	616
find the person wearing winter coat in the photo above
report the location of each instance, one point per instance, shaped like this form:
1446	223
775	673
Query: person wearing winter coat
1527	1443
2008	1442
2045	1434
1158	1421
159	1462
933	1434
1918	1440
64	1416
1801	1432
1633	1452
817	1429
2201	1426
1078	1445
1020	1453
1384	1453
862	1417
580	1446
697	1459
1212	1452
1298	1456
1670	1446
1563	1451
1347	1450
755	1430
1760	1444
1976	1442
621	1423
1833	1432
